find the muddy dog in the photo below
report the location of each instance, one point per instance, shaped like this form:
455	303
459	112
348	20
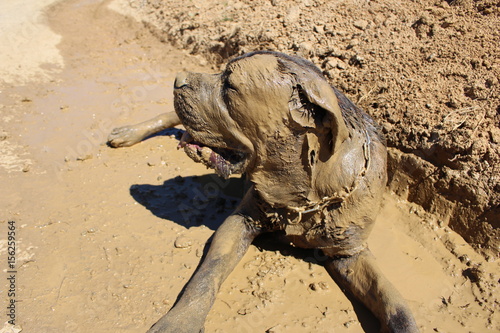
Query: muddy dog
317	168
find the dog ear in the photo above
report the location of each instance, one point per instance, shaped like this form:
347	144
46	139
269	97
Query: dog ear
315	104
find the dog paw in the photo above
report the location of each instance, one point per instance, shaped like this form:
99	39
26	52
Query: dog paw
124	137
166	326
179	321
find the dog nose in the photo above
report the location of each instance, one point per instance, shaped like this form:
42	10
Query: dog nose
181	80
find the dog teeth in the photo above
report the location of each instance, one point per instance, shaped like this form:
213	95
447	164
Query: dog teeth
185	139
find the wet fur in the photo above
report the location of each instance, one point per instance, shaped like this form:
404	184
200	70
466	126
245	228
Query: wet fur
306	146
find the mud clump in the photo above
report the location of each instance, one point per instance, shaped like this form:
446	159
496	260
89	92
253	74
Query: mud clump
428	71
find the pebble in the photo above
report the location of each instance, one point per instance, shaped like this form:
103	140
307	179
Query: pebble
318	286
331	63
353	43
387	127
335	63
361	24
306	48
319	29
341	64
494	135
292	15
84	157
182	242
242	312
358	60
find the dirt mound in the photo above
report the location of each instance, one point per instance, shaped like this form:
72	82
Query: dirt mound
428	71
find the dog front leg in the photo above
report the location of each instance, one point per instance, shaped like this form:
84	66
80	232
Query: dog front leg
229	244
360	275
127	136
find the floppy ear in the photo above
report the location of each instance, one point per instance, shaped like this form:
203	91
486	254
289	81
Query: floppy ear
323	110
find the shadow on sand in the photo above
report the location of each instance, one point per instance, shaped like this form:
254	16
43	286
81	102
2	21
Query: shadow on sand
208	200
191	201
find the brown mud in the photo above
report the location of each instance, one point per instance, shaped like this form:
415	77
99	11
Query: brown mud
427	70
106	238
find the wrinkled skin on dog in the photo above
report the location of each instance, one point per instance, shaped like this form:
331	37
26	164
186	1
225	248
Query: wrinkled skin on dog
317	168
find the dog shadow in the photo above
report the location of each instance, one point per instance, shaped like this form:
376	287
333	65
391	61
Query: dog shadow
171	131
208	200
191	201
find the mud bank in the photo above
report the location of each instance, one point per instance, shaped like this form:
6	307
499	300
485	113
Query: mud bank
428	71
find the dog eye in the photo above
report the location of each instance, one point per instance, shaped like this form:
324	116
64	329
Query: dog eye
228	85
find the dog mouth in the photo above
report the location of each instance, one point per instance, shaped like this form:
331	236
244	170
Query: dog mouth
224	161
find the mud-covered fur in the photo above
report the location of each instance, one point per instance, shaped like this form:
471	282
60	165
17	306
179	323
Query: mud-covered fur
317	168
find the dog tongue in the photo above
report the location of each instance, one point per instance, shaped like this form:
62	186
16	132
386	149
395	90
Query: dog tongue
202	154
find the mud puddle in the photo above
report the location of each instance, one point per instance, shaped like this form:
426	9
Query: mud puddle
106	238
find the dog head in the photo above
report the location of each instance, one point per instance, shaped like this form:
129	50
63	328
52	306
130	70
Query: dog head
247	117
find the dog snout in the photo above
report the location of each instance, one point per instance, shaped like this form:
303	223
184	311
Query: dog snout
181	80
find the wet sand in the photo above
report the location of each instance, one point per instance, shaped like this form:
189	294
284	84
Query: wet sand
106	238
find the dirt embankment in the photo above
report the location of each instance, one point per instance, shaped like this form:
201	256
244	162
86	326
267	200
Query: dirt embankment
428	71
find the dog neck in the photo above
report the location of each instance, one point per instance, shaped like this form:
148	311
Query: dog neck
299	178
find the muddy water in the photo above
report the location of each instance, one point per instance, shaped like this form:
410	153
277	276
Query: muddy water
108	237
